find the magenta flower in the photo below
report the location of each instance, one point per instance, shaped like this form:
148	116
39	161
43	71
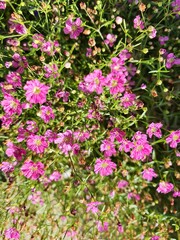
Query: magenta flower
73	28
152	32
14	151
115	82
37	143
19	62
36	91
102	227
165	187
117	134
122	184
126	145
62	94
104	167
6	167
176	194
46	113
50	135
94	82
55	176
149	174
133	195
38	40
12	233
15	24
138	23
108	148
128	100
93	207
65	141
110	39
51	70
2	5
173	139
11	105
163	39
14	78
155	238
154	129
32	170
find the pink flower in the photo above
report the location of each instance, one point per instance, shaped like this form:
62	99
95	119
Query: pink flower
152	32
73	28
122	184
65	141
134	195
120	228
46	113
110	39
16	24
154	129
14	151
11	105
128	100
163	39
14	78
165	187
108	148
55	176
51	70
115	82
81	136
148	174
138	24
92	206
117	134
50	135
35	198
37	143
6	167
12	233
19	62
36	91
94	82
126	145
102	227
32	170
174	139
155	238
104	166
63	94
38	40
2	5
176	194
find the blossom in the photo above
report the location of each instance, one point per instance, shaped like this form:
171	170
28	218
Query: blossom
117	134
63	94
94	82
6	167
148	174
170	60
14	151
65	141
152	32
55	176
2	5
37	143
141	150
155	238
50	135
19	62
14	78
128	100
104	167
120	228
126	145
46	113
35	198
93	207
110	39
173	139
133	195
115	82
154	129
38	40
176	194
122	184
138	23
11	105
102	227
73	28
12	233
163	39
165	187
16	24
32	170
51	70
108	148
36	91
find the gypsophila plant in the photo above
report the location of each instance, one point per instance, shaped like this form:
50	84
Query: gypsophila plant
89	110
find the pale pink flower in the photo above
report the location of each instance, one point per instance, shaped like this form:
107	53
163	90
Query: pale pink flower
138	23
2	5
102	227
165	187
93	207
46	113
110	39
152	32
37	143
149	174
108	148
36	91
154	129
73	28
32	170
35	198
55	176
12	233
174	139
104	167
6	167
